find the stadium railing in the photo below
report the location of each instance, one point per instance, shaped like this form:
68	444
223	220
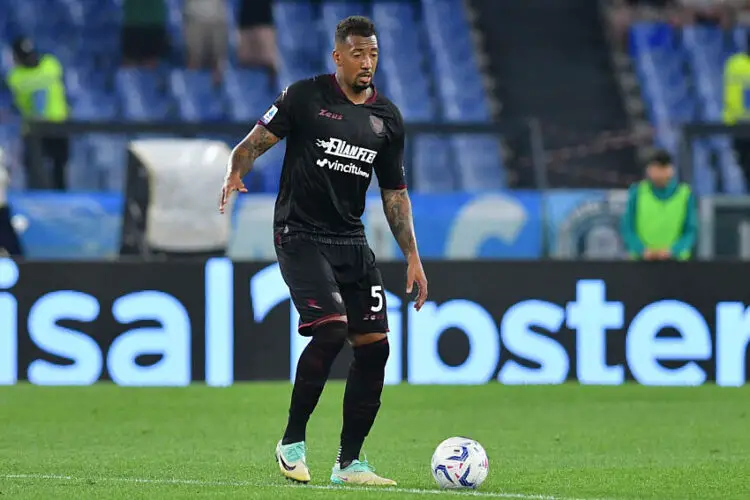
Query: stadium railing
528	134
725	213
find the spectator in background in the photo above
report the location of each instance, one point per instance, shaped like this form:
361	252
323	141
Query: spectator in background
144	32
257	35
622	13
36	82
206	34
660	220
711	12
736	102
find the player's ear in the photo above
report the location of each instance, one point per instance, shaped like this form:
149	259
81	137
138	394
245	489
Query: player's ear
336	55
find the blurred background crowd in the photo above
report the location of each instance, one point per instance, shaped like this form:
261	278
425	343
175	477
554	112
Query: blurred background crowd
522	94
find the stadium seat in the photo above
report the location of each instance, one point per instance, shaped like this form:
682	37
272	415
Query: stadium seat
479	162
196	96
424	69
176	30
142	94
457	76
248	93
300	56
433	165
401	63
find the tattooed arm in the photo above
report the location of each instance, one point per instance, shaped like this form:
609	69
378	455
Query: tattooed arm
397	207
241	160
257	142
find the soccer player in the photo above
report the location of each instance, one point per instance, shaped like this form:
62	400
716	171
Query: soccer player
340	131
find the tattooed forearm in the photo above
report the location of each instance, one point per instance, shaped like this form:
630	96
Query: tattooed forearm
257	142
397	207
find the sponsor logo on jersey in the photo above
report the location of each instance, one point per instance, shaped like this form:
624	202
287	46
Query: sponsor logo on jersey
342	149
347	168
266	119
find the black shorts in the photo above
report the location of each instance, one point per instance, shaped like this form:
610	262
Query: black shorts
329	280
141	43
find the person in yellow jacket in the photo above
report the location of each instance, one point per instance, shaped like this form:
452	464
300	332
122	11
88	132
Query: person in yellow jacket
737	102
661	219
36	82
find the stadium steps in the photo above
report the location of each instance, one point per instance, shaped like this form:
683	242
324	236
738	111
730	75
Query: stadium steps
550	60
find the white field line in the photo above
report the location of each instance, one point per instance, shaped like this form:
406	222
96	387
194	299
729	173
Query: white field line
199	482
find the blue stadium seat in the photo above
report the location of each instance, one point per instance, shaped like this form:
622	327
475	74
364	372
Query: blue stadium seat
142	94
479	162
457	74
248	93
680	74
176	30
301	56
705	176
80	81
433	165
401	61
97	161
94	106
196	95
424	69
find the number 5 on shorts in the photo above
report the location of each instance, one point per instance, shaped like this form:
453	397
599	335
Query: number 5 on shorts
377	293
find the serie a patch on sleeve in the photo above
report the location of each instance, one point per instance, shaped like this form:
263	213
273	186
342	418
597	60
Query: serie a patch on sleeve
269	114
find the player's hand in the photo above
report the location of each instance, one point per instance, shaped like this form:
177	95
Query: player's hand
415	274
665	254
231	184
649	255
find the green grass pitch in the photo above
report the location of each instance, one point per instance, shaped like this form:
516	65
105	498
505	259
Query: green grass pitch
544	442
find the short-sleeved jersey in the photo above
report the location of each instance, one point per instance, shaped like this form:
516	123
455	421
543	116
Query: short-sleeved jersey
333	149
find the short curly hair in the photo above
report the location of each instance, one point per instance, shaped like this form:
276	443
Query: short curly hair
354	25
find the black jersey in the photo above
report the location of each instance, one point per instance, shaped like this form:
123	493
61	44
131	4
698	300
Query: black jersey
333	149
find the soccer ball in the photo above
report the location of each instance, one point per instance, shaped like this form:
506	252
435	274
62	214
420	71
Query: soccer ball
459	462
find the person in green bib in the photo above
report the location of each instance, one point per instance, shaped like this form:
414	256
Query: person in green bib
660	221
36	82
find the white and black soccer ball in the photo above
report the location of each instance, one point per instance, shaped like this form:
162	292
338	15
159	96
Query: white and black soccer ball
459	462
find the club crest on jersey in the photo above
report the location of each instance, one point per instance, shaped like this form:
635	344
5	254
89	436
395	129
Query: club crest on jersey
266	119
342	149
377	124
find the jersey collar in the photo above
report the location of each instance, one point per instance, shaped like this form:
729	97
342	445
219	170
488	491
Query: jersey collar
338	88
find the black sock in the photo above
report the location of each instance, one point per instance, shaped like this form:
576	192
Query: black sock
362	397
313	369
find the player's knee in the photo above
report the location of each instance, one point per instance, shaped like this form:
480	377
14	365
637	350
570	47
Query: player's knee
333	332
373	354
360	339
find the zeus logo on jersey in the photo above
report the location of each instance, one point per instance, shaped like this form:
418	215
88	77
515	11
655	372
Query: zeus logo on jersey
351	168
342	149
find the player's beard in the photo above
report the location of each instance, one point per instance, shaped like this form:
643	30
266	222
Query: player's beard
358	89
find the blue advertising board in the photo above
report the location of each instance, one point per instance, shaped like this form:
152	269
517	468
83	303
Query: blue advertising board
222	322
496	225
68	226
584	223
